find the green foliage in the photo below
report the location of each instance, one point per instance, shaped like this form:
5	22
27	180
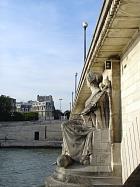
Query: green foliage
67	114
7	115
18	116
5	108
29	116
5	104
57	114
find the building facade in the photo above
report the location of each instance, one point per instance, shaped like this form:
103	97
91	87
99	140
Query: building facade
23	107
44	106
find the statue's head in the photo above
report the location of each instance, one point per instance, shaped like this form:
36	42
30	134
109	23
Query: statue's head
94	78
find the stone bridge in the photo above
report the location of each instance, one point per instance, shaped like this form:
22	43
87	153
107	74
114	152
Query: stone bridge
114	52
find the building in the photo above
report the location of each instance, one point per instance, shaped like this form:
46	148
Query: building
114	52
45	98
23	107
44	106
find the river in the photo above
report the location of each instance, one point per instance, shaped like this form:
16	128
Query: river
26	167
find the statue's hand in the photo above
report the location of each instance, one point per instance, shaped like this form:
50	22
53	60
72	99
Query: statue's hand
64	161
89	108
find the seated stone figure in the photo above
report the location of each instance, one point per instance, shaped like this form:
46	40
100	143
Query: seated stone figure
78	132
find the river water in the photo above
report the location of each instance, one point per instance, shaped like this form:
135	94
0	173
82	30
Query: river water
26	167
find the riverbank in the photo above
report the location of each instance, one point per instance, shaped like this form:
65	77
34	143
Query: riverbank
31	134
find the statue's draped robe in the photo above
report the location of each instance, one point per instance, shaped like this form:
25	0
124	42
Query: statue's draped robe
78	137
77	140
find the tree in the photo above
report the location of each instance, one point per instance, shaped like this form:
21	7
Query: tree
58	114
5	108
5	104
67	114
6	113
30	116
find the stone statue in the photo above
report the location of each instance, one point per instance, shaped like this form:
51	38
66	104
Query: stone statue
78	132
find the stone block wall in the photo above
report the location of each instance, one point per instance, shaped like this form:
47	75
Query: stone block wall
130	99
101	159
22	134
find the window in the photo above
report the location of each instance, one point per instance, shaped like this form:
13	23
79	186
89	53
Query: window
36	135
108	64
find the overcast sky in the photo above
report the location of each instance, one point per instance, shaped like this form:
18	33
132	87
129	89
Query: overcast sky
41	46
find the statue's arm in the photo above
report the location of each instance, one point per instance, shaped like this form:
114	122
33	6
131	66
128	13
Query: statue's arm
92	106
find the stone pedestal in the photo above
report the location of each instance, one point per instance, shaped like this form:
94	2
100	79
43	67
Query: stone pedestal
99	173
82	176
101	158
116	159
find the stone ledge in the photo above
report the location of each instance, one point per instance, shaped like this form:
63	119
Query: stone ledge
83	182
81	176
85	170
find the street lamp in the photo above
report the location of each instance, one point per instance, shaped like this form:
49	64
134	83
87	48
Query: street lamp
76	82
85	25
70	106
72	98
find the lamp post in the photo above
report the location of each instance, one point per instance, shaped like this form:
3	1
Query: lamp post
70	106
60	107
72	99
76	82
85	25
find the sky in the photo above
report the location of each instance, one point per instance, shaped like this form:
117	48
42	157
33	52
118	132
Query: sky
41	47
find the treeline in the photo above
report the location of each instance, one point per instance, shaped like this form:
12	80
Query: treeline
18	116
58	114
7	114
